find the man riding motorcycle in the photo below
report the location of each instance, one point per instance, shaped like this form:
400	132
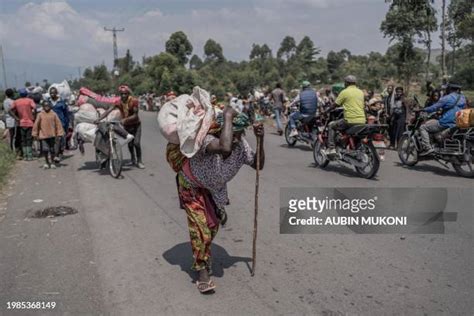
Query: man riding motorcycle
353	103
308	101
452	102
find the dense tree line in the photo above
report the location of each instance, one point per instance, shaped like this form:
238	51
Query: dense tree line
406	24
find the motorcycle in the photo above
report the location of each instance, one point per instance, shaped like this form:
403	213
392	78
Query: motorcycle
378	139
307	130
354	146
453	146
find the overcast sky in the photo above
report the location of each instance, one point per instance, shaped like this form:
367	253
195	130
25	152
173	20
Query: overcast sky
71	32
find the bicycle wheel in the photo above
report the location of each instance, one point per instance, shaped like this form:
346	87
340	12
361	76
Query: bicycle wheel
115	160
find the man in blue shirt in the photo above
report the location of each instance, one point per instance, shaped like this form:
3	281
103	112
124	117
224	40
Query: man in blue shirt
308	101
451	103
60	107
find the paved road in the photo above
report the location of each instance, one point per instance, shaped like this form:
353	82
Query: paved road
126	250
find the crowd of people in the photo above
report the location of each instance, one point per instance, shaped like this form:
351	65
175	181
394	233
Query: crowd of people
42	124
202	178
29	117
390	107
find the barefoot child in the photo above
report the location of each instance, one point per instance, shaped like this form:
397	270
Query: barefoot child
48	130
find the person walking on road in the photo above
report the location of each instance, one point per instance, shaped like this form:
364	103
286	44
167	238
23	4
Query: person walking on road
24	117
48	129
60	107
202	183
10	124
278	98
129	108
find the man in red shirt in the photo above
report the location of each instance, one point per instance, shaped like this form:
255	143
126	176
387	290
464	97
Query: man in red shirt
128	107
22	111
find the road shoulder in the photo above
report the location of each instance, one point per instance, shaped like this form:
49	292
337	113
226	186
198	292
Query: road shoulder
42	259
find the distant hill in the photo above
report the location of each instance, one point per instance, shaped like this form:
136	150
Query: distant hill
35	72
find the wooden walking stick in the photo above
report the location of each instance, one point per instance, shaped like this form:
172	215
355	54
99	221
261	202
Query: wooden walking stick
255	220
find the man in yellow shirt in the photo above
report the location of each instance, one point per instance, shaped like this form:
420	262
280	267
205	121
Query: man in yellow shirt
352	101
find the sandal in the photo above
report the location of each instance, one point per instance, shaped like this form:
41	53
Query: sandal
205	287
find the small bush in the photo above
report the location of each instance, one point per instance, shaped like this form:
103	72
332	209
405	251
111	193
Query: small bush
7	159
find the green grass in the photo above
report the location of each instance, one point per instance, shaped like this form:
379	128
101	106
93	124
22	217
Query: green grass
7	159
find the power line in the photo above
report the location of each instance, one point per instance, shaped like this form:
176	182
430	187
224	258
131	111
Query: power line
114	37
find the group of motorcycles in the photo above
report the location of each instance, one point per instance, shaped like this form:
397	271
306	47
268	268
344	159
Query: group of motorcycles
362	146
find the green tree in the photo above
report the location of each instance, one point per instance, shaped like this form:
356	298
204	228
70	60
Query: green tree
408	61
290	83
183	80
462	15
334	61
97	79
287	48
157	65
179	46
126	63
213	51
166	81
145	85
306	51
454	42
403	24
195	62
261	52
428	19
245	81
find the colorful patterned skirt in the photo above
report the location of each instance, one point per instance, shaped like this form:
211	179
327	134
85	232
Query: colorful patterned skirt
200	209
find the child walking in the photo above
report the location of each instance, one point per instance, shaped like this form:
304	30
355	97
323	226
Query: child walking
48	129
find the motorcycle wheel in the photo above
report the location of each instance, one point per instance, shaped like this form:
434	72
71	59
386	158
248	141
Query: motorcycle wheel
466	167
407	148
320	159
370	170
291	141
115	161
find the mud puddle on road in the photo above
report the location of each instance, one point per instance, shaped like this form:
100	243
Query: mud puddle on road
49	212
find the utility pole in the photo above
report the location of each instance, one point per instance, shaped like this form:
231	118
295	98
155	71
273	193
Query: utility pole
5	84
114	36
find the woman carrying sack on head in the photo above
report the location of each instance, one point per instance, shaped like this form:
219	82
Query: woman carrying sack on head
202	183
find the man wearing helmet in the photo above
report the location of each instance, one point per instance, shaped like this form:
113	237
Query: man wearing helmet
128	107
452	102
308	101
351	99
